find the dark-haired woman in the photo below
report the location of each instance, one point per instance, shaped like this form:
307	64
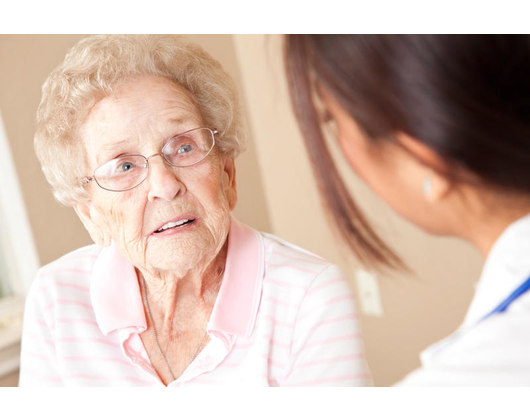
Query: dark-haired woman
439	127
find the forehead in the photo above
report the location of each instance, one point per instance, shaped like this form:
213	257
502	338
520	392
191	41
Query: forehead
142	109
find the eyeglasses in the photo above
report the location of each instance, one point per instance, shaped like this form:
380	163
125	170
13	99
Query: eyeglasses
128	171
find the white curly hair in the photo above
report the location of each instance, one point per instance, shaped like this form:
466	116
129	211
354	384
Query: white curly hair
97	65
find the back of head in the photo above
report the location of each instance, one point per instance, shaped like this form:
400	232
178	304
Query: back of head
467	97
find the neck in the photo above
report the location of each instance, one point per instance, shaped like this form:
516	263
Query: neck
178	297
483	227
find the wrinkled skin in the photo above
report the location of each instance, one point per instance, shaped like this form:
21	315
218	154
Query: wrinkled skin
182	269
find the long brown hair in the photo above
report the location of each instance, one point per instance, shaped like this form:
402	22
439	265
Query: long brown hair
467	97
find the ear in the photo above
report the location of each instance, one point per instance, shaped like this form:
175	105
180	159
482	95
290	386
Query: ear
229	181
88	215
432	167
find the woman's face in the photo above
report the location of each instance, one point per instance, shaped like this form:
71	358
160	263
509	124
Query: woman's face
389	170
139	118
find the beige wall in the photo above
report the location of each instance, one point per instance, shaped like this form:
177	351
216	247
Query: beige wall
276	190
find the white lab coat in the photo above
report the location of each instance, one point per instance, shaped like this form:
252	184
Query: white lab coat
494	351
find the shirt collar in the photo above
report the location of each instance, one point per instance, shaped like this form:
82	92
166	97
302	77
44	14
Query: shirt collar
236	308
506	267
115	292
117	301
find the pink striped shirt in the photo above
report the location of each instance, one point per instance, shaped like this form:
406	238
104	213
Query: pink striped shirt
283	317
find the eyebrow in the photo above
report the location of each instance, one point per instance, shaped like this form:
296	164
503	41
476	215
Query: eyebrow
180	121
107	149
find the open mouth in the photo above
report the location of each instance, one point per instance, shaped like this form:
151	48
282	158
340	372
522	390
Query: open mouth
175	225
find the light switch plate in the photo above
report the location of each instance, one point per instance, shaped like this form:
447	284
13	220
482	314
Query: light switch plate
369	295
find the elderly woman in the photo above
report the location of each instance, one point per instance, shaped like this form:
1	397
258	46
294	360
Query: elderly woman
139	134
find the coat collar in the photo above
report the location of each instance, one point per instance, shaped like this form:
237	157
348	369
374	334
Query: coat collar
507	266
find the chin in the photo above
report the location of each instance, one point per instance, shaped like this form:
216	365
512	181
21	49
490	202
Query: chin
183	250
179	256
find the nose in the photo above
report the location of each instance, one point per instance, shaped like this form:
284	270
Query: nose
163	181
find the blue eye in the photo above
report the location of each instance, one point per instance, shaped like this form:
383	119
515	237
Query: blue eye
186	148
125	166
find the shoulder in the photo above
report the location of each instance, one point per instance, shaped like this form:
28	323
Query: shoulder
283	257
79	261
289	267
312	303
61	289
495	352
69	272
502	339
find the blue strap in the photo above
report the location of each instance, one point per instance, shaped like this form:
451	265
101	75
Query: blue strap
508	301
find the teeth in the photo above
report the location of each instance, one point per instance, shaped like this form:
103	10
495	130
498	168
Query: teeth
172	225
